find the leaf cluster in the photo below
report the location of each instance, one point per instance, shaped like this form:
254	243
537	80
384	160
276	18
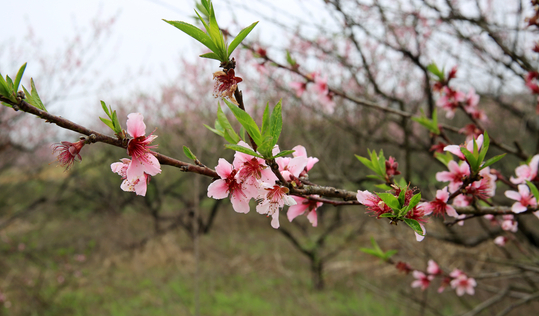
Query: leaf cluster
476	158
400	209
378	252
112	122
213	38
265	138
9	90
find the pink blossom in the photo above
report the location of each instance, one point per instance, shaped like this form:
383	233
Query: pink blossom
500	241
137	184
290	166
433	268
321	84
509	224
472	100
143	161
300	151
526	172
462	284
450	100
455	175
250	169
462	200
299	87
422	281
439	206
523	197
391	167
455	149
274	197
68	152
226	84
372	202
229	186
304	205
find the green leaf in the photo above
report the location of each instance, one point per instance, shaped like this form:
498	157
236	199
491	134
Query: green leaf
492	161
445	158
244	150
283	153
276	123
9	82
266	120
116	123
246	121
4	87
390	200
366	162
242	133
431	125
18	78
195	33
36	97
383	186
402	198
402	183
372	252
433	68
375	245
387	215
414	201
218	132
414	225
229	133
484	148
289	59
241	36
211	56
265	149
472	161
389	254
533	189
104	106
189	153
107	122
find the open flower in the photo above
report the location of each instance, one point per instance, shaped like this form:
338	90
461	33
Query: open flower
422	280
228	185
251	170
439	206
138	184
455	175
226	84
290	166
455	149
68	152
273	198
143	159
450	100
302	206
299	87
523	197
526	172
373	203
433	268
462	283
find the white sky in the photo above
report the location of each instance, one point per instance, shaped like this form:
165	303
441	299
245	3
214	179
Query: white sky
140	38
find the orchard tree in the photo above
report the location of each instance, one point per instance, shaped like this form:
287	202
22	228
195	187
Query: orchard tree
386	59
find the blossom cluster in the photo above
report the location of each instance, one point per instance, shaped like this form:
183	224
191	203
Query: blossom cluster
325	96
451	99
457	279
137	171
249	177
